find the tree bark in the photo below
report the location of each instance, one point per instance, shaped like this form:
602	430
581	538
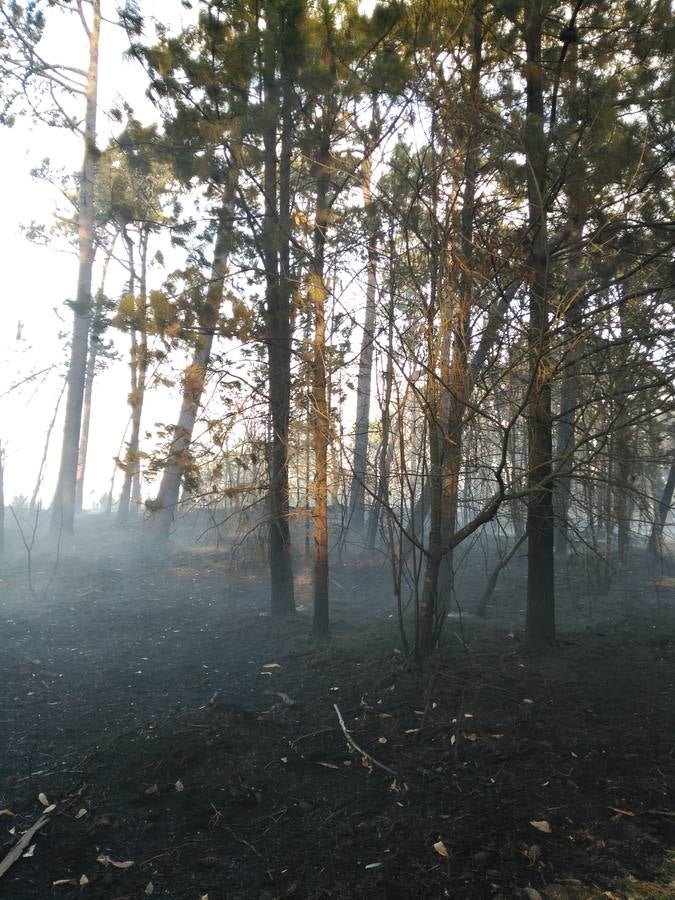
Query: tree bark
573	314
364	380
540	622
45	451
63	505
655	543
163	508
384	461
139	366
321	414
276	237
90	375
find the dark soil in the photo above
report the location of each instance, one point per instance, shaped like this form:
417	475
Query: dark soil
175	725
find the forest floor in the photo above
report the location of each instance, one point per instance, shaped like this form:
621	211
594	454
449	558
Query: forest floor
182	743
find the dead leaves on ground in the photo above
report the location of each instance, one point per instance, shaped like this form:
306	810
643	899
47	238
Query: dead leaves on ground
105	860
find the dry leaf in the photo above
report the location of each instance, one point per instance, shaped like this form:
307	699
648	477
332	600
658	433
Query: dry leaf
541	825
105	860
81	812
63	881
149	889
84	881
328	765
272	666
621	812
533	854
666	581
30	852
6	812
411	731
127	864
43	799
441	849
373	865
384	716
179	786
382	740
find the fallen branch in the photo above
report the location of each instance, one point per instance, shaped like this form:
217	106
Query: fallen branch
21	844
352	743
243	841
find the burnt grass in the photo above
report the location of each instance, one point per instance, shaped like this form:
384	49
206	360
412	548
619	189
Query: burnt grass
177	726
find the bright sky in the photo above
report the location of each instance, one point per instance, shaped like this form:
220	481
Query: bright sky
38	279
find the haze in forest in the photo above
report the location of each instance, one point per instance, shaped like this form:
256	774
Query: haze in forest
390	279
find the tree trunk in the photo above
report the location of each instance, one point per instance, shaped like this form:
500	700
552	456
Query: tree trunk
321	418
445	428
655	543
63	505
163	508
540	624
96	330
275	238
458	313
43	461
364	380
384	461
138	365
573	315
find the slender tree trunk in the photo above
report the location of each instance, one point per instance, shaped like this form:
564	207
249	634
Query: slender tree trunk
321	417
655	543
459	314
426	624
94	343
384	461
540	625
63	505
138	365
163	508
45	451
276	234
364	380
573	315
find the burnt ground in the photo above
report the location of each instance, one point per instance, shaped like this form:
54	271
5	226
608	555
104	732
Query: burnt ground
190	745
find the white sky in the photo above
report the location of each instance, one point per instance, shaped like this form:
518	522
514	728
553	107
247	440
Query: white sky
38	279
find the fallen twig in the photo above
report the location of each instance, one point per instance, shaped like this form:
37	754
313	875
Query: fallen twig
243	841
352	743
21	844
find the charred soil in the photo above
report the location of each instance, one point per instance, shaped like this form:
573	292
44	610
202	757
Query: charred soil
190	744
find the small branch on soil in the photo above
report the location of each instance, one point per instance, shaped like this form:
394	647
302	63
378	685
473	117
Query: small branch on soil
21	844
243	841
352	743
303	737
